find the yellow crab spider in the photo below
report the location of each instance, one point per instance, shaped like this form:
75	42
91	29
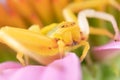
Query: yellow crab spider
47	44
43	48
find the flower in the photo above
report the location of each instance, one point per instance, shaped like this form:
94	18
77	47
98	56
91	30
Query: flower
67	68
106	51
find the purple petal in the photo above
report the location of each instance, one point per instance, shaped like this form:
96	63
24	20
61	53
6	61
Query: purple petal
9	65
7	69
106	51
29	73
67	68
64	69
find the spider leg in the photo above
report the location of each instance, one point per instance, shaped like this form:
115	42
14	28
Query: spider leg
61	47
98	31
83	23
69	15
85	50
19	56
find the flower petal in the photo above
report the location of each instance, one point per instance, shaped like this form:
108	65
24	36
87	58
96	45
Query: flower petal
28	73
64	69
107	51
7	69
9	65
67	68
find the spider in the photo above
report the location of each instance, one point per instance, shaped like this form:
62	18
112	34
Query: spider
52	42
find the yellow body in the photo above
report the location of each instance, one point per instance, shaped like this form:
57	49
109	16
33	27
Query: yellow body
38	44
52	41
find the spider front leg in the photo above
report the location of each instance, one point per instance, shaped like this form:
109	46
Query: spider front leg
69	15
85	50
61	46
83	23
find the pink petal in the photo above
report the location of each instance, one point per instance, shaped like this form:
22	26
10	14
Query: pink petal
7	69
106	51
9	65
67	68
29	73
64	69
